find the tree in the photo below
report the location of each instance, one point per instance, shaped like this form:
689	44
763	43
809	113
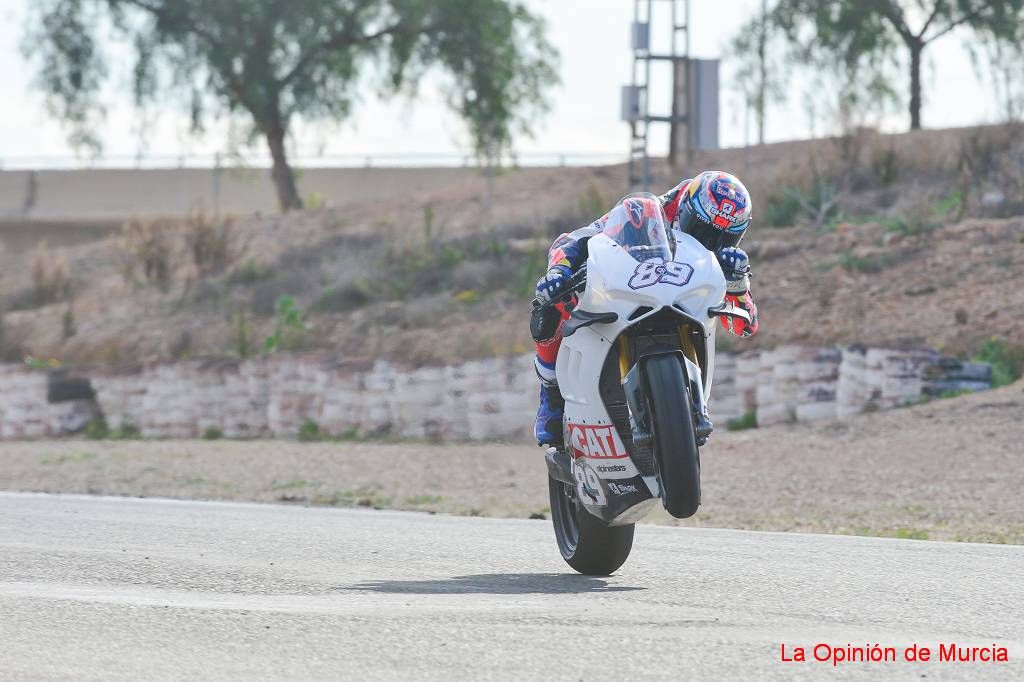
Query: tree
1000	60
865	35
759	72
267	63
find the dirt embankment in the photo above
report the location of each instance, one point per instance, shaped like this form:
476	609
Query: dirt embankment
908	239
951	469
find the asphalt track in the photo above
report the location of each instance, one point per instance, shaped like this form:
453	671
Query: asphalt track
110	588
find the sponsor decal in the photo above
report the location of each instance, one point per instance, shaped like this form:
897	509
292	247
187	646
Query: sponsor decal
622	488
724	217
595	441
588	485
636	212
656	271
610	468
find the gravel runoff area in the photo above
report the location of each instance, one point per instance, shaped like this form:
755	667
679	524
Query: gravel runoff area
951	469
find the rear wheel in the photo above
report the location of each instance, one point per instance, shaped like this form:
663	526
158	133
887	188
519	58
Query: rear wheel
585	541
675	441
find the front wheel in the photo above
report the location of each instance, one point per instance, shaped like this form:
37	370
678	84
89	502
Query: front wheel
586	543
675	442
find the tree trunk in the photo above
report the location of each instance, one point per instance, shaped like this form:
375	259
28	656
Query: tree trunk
762	86
916	47
284	179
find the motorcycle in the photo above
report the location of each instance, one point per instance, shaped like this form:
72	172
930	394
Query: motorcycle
635	367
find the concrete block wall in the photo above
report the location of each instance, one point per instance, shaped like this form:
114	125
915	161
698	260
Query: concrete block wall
482	400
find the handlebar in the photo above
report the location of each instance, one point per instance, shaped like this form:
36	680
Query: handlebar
729	310
577	282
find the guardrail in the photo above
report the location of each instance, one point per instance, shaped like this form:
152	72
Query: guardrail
383	160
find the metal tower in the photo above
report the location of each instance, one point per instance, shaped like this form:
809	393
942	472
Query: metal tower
635	100
693	84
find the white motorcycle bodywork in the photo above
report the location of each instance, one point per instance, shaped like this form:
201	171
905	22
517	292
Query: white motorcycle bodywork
609	484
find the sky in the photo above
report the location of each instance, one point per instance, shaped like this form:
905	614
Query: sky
593	37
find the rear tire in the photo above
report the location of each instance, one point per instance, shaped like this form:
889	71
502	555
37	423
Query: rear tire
585	541
675	441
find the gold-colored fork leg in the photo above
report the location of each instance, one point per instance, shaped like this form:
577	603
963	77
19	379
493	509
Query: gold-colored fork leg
686	343
625	361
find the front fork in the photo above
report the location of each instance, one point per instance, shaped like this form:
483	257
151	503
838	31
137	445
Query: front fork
702	422
639	421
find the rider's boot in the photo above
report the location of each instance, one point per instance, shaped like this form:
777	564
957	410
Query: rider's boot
548	429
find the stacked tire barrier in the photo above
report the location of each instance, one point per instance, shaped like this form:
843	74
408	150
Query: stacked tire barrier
727	398
807	383
494	399
30	407
25	412
276	396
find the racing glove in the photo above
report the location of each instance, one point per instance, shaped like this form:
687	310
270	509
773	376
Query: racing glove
737	326
736	268
552	284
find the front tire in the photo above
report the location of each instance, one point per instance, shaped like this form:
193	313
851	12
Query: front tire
675	440
585	541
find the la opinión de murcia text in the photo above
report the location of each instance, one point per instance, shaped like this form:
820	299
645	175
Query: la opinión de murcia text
823	652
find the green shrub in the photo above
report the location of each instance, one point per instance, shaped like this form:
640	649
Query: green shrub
128	431
243	345
1007	360
67	323
747	421
250	272
310	432
344	298
781	210
428	222
97	428
212	433
289	327
349	434
450	256
869	263
955	393
950	204
884	165
924	216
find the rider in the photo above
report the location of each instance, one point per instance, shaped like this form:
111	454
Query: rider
713	207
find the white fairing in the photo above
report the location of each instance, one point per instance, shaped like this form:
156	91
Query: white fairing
617	283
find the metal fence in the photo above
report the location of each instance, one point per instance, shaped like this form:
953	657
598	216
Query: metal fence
395	160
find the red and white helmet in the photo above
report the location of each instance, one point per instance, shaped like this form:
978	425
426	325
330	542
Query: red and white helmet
715	209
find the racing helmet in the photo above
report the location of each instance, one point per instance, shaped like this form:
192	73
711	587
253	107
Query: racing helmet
715	210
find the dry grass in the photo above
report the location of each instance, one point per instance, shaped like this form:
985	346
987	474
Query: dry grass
214	244
50	280
147	252
875	251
